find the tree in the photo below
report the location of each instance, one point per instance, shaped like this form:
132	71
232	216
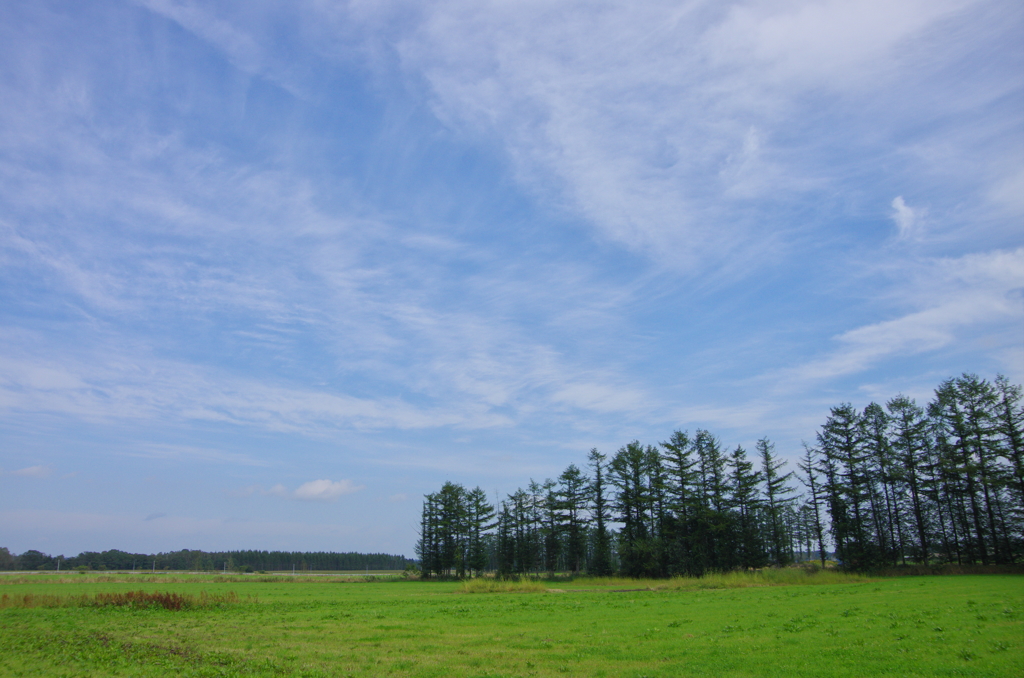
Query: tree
35	560
506	545
744	501
6	559
884	503
909	428
573	496
552	524
887	484
711	519
776	499
627	471
601	561
1010	425
480	513
959	409
809	466
428	545
447	531
682	489
845	473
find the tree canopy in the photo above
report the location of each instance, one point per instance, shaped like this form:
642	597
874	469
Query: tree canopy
890	484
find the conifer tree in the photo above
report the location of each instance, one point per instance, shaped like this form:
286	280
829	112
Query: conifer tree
776	500
808	464
480	514
682	491
629	472
745	502
908	432
601	561
573	497
1010	425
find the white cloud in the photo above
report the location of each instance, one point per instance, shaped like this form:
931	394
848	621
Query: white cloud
144	389
956	298
314	490
831	43
240	47
602	398
905	217
196	278
660	121
33	472
325	490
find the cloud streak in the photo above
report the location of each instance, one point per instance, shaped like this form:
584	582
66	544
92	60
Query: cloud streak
33	472
660	122
905	217
313	490
402	241
959	298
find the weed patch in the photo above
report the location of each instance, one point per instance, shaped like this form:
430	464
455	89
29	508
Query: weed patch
488	585
130	599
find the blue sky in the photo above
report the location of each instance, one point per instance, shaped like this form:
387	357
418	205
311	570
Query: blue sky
269	272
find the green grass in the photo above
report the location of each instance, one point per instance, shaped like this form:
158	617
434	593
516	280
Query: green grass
786	624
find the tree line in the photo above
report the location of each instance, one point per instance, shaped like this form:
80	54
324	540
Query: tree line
886	485
205	561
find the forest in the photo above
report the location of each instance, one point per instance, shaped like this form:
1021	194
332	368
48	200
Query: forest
879	487
233	561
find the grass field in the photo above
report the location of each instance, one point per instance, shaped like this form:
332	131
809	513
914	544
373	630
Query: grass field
786	625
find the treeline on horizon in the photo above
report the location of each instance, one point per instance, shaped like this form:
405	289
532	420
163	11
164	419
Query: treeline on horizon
883	486
201	561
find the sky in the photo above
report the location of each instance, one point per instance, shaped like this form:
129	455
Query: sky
272	271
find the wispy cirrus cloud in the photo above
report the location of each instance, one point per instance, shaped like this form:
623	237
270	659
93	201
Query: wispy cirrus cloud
955	301
660	122
325	490
907	219
33	472
314	490
483	236
181	391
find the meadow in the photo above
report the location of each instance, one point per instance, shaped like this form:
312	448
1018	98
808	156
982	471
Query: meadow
788	624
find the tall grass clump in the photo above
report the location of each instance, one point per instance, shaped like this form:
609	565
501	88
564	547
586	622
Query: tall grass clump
785	576
488	585
128	599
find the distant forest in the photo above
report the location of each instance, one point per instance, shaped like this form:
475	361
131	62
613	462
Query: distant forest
232	561
882	486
